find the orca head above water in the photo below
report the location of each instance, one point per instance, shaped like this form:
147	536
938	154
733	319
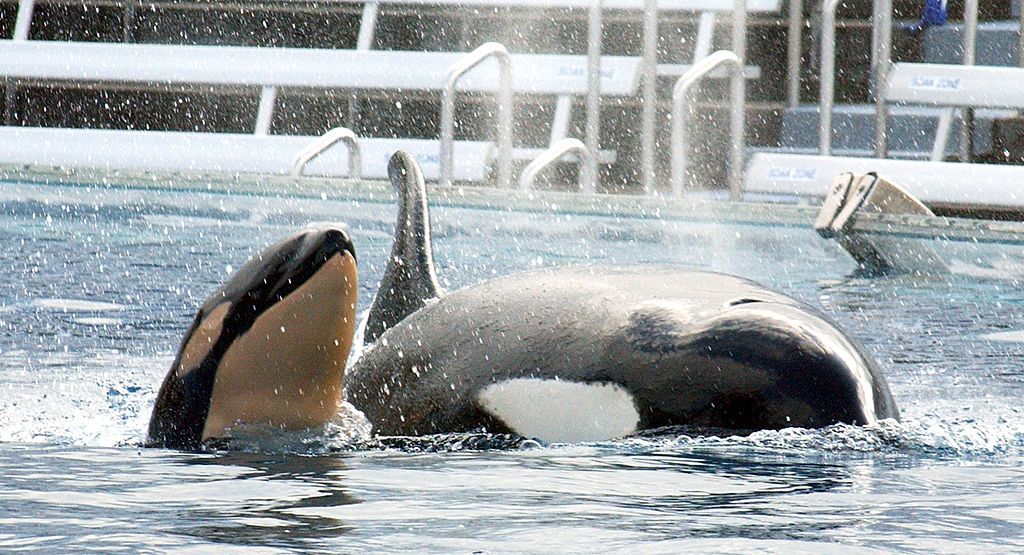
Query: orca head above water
268	347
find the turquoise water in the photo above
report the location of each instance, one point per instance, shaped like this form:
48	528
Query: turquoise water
98	287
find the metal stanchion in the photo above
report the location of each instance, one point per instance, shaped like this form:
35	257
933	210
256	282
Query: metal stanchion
827	81
593	131
970	42
883	29
737	124
650	94
795	34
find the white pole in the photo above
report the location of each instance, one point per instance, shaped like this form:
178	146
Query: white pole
265	114
593	132
883	25
828	76
24	19
795	36
737	127
650	94
970	41
1020	35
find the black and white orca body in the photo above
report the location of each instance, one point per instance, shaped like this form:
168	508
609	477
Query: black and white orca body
596	352
268	348
592	353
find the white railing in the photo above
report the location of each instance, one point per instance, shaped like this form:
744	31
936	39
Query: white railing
504	154
471	60
650	98
552	155
680	142
738	87
326	141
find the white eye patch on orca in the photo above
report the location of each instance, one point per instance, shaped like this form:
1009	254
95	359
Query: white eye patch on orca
558	411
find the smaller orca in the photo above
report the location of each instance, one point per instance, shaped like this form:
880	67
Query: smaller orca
268	347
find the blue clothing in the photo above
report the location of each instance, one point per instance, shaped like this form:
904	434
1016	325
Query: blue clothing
935	13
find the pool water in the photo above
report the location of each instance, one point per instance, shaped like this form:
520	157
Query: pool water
98	286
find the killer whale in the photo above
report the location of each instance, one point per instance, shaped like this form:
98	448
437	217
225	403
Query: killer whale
597	352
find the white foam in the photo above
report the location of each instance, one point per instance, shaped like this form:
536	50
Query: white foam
98	321
1000	269
76	305
558	411
181	221
1014	336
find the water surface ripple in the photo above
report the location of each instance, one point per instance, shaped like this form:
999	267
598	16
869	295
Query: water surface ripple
98	287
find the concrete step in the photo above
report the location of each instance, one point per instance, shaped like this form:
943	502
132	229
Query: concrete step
997	44
911	129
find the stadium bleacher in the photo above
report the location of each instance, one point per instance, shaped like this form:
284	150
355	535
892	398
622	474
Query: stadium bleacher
949	93
302	62
412	29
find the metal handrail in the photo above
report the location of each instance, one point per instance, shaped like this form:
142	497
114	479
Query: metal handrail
552	155
738	88
874	36
467	63
826	98
680	93
325	141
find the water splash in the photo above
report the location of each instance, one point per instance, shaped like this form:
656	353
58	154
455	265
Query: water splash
934	436
929	438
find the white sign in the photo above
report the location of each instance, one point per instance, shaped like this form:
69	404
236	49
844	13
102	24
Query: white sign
936	83
565	71
793	174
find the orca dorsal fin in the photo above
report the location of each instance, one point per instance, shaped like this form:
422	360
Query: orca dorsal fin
409	279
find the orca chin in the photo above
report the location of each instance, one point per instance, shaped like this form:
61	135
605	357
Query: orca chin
267	348
582	353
